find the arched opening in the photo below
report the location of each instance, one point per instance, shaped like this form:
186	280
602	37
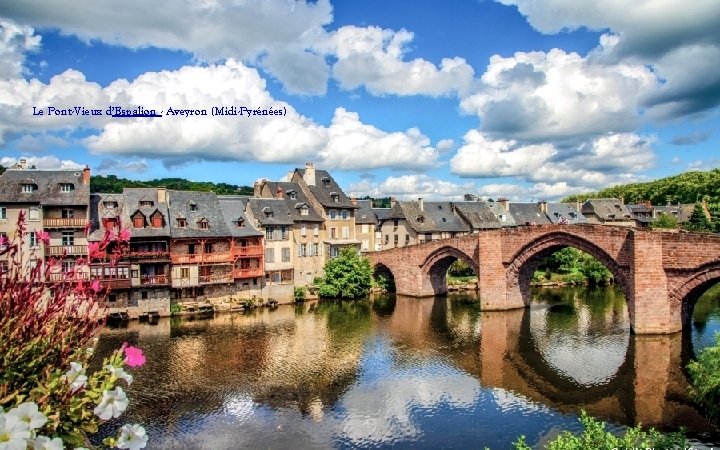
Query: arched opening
699	297
383	279
450	268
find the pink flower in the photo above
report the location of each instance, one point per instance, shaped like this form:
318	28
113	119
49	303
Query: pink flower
95	286
93	249
134	356
124	235
43	236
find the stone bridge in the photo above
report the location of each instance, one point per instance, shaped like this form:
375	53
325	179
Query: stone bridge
662	274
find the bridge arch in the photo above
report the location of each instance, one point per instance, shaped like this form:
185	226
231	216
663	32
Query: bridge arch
384	277
435	266
526	260
691	288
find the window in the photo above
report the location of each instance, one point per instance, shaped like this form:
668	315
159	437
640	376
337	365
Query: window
395	224
135	273
157	221
193	207
326	181
28	188
112	298
181	223
3	240
396	240
333	214
185	272
286	254
240	222
67	213
334	252
204	224
316	229
366	244
68	266
501	217
68	238
344	214
139	221
346	232
284	234
269	233
270	255
314	249
387	239
110	204
34	213
335	198
302	250
407	239
208	247
304	210
303	229
144	295
292	195
3	213
191	249
333	233
365	228
66	187
32	239
146	203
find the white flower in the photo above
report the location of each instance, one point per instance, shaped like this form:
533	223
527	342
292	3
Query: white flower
13	433
89	351
45	443
119	373
28	413
132	437
112	404
76	376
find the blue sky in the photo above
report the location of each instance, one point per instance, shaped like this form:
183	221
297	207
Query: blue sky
526	99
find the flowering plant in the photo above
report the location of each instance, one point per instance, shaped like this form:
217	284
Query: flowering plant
47	324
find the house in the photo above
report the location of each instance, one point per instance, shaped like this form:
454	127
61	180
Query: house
682	212
414	222
478	215
529	213
366	226
336	208
564	213
53	201
501	210
307	229
607	211
642	213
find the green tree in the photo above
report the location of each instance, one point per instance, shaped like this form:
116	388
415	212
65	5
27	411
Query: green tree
460	268
698	220
595	436
347	276
665	221
705	375
595	272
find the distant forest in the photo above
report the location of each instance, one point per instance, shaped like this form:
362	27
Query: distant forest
688	187
111	184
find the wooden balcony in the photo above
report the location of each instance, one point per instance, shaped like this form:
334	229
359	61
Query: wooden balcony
55	277
148	256
248	273
115	283
250	250
214	279
202	258
64	223
154	280
70	250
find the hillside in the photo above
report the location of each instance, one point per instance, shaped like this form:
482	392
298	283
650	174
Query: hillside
688	187
111	184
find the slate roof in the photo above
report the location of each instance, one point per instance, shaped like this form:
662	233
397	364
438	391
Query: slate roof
528	214
194	207
682	211
98	211
607	209
498	210
48	187
325	185
478	214
132	198
434	217
365	213
233	210
381	213
278	208
564	213
295	204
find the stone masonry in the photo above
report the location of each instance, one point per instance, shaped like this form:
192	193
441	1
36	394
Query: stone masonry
662	274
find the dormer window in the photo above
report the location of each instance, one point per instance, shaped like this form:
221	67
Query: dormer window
181	222
138	220
421	219
146	202
335	197
268	212
193	207
325	181
110	204
110	223
292	195
66	187
28	187
240	222
203	224
157	220
304	210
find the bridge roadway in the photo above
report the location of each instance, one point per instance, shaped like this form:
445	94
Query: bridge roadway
661	273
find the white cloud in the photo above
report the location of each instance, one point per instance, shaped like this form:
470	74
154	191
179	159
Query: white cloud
47	162
15	40
412	186
373	57
113	165
553	96
445	145
40	142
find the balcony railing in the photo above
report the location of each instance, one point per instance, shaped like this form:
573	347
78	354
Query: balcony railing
64	223
66	276
59	250
149	255
115	283
202	258
248	273
210	279
154	280
250	250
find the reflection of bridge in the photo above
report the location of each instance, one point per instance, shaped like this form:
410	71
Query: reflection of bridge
662	274
648	386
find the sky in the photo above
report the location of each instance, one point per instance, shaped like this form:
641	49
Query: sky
525	99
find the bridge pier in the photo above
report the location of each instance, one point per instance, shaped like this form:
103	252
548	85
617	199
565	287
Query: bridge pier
495	293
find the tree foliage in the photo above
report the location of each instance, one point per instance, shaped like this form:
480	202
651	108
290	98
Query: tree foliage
111	184
665	221
572	261
595	436
460	268
688	187
705	375
347	276
698	220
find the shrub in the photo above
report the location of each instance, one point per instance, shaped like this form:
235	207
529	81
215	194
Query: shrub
299	294
705	375
347	276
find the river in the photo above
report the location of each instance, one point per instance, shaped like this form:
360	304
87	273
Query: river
410	373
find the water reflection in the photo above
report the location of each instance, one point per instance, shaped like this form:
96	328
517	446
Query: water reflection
404	372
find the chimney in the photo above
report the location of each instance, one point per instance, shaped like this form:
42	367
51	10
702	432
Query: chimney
22	163
86	174
578	206
309	175
257	187
422	204
392	201
279	192
543	207
505	203
353	200
162	195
